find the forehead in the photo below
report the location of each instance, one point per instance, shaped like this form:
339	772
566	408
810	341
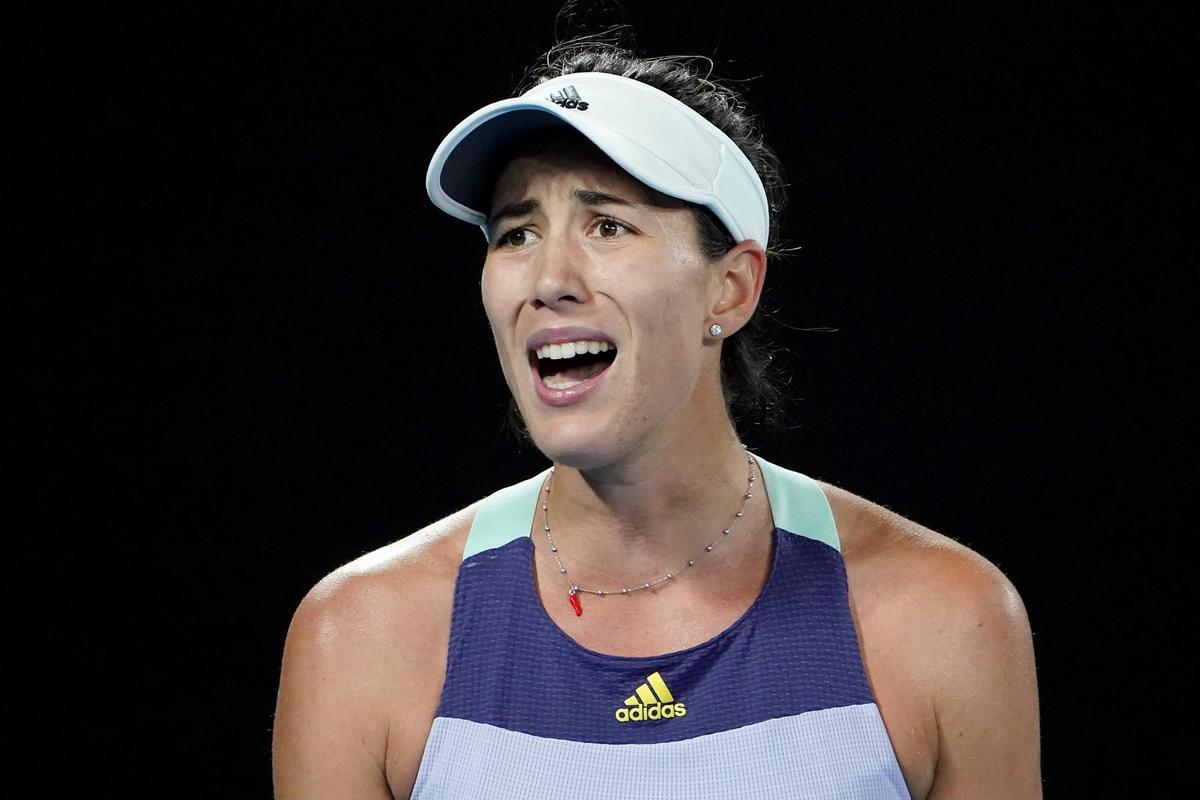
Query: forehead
568	154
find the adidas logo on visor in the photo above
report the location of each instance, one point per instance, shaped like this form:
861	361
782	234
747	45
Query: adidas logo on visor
569	98
652	700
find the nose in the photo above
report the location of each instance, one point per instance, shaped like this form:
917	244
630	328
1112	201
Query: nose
560	274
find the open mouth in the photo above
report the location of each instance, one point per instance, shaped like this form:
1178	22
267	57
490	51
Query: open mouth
562	366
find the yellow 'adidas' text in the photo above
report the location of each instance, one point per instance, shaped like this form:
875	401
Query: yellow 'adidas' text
641	713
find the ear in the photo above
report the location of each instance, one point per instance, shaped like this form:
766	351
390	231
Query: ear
737	285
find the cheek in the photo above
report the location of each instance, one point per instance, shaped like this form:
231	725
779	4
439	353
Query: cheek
685	284
674	321
498	291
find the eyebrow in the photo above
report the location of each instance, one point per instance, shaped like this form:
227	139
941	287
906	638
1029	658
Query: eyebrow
599	198
524	207
518	209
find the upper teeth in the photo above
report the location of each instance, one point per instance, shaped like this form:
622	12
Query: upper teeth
572	349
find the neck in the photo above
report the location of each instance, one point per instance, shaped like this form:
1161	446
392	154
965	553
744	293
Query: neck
654	509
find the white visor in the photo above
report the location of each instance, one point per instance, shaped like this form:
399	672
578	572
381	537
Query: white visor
651	135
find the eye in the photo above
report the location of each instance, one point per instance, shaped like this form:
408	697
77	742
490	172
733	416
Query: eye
609	228
515	237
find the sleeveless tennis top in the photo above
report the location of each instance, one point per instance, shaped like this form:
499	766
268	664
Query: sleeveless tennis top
775	706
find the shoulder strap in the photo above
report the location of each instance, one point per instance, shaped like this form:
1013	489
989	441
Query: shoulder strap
798	504
504	515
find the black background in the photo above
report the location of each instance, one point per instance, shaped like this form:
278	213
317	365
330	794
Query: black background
259	351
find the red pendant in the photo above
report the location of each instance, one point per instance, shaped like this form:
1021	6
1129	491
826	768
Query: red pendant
575	603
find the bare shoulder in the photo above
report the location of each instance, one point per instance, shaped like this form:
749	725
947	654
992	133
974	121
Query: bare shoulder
415	570
900	565
395	595
949	653
905	565
363	665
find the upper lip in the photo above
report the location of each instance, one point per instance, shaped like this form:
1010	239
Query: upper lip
568	334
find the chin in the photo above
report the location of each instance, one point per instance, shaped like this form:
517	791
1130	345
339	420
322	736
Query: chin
574	445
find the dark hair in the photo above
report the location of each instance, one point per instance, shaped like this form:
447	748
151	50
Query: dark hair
752	390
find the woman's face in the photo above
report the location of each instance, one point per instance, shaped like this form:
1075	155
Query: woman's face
581	252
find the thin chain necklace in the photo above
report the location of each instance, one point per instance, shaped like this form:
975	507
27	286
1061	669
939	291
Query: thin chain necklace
573	590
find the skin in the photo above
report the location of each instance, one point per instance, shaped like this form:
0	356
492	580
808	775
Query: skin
644	465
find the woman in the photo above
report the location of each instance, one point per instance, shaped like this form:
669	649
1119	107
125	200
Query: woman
751	632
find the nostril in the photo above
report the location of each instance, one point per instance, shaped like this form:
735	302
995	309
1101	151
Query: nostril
538	302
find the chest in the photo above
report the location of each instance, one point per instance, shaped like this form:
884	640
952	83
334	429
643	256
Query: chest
647	625
675	615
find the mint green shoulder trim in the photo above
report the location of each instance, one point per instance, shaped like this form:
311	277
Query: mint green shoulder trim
504	516
798	504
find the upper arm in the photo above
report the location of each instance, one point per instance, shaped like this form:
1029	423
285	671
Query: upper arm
363	668
984	688
330	737
948	648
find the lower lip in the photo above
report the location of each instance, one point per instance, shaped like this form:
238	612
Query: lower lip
566	397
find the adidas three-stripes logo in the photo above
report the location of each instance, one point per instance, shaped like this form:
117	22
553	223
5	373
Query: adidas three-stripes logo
569	98
652	700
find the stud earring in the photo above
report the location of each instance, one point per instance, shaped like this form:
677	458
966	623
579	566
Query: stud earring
715	329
